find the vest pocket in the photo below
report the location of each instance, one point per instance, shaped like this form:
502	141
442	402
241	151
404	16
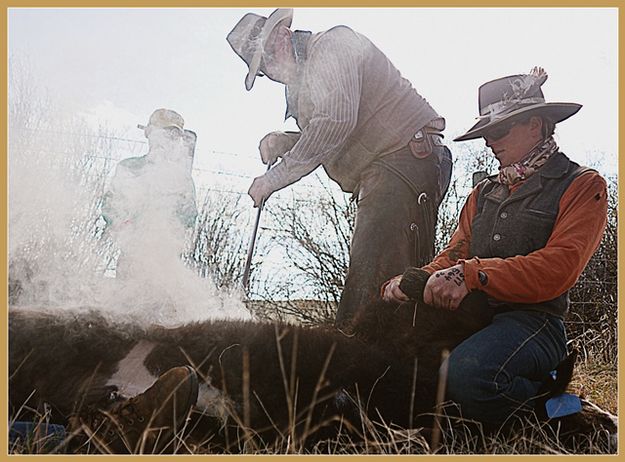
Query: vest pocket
535	227
541	214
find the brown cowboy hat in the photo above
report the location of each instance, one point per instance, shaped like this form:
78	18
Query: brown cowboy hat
163	118
250	35
501	99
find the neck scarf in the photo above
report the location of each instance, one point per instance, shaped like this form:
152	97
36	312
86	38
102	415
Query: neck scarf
526	167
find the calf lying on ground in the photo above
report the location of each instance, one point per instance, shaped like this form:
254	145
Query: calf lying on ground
299	378
267	380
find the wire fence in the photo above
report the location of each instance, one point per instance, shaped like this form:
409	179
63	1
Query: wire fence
113	149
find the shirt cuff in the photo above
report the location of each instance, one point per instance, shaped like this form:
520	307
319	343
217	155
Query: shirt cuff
275	178
475	278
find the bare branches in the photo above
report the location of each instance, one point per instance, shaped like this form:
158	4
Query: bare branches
218	244
314	238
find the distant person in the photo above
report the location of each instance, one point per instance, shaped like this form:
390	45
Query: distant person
151	206
372	132
524	237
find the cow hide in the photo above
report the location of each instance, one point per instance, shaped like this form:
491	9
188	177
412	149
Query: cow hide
270	379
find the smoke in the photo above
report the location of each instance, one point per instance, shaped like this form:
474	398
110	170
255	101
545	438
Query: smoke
62	253
151	212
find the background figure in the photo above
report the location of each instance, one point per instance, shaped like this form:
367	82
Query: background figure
372	132
150	207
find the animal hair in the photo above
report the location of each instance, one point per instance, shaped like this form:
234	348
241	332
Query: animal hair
304	382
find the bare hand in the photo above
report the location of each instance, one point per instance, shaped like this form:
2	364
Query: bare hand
274	145
392	292
446	288
259	191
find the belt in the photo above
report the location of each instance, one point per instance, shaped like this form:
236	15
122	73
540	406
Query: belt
422	143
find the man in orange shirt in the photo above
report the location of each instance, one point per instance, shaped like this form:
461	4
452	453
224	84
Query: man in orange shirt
524	236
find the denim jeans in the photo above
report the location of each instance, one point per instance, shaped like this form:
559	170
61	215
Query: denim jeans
43	433
499	370
392	231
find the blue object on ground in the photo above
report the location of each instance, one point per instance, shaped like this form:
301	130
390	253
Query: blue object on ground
30	430
562	405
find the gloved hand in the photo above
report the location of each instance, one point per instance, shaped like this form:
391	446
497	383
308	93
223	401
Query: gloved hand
260	190
276	144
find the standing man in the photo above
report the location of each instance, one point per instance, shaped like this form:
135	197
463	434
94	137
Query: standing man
150	206
372	132
524	237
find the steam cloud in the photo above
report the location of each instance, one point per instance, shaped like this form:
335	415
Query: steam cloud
60	247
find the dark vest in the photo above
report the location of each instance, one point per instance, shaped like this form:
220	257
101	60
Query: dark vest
507	224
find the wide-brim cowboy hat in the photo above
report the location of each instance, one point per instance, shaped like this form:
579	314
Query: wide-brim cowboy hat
502	99
163	118
250	35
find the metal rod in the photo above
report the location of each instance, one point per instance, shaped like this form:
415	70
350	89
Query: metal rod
250	249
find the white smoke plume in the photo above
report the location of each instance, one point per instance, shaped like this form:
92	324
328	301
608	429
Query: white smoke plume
61	250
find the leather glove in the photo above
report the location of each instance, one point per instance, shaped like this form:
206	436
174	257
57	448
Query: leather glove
260	190
276	144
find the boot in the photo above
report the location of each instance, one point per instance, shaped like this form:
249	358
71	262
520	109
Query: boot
147	422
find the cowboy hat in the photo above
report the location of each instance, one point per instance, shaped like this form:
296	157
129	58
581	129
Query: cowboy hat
250	35
501	99
163	118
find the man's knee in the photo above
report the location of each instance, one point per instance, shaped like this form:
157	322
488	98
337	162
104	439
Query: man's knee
470	385
484	393
464	378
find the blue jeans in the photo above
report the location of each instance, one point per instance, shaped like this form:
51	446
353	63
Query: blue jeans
499	370
42	432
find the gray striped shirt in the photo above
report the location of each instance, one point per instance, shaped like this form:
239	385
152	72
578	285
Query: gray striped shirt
351	105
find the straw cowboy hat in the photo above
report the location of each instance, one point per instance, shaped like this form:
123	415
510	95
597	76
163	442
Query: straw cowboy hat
250	35
507	97
163	118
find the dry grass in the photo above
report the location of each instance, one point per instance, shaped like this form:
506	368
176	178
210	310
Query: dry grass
596	380
381	440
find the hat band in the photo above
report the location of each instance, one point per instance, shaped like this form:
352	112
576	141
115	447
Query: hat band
499	109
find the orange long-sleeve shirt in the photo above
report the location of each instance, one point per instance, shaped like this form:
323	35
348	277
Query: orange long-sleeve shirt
545	273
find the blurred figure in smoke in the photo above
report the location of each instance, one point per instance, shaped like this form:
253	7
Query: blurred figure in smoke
150	207
372	132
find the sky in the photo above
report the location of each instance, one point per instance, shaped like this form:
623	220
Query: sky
115	66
